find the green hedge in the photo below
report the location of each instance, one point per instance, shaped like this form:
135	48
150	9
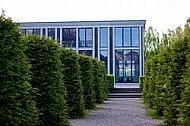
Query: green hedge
17	107
72	80
166	83
47	77
110	80
141	81
85	63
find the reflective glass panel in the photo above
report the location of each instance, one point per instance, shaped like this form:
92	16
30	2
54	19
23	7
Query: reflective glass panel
135	56
135	36
118	36
126	37
88	37
69	37
36	31
44	32
51	33
104	57
29	31
82	37
103	37
58	35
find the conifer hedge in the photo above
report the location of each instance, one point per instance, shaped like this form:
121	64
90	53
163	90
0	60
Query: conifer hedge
110	81
46	77
72	79
166	85
17	107
85	63
99	81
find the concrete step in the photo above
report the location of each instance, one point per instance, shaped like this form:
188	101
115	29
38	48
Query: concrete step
126	90
125	95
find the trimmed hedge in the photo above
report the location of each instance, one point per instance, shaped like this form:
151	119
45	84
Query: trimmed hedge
72	79
17	107
166	85
141	81
110	80
85	63
47	77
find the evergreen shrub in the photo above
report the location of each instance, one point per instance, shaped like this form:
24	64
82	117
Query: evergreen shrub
17	107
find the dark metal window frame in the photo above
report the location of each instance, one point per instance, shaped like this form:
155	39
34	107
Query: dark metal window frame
85	35
131	45
123	64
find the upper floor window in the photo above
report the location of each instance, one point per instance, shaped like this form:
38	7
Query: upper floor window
51	33
126	36
85	37
69	37
103	37
135	36
35	31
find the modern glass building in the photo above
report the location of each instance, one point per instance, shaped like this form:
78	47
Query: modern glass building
120	44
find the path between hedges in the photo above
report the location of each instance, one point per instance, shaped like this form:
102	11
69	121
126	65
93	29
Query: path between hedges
117	112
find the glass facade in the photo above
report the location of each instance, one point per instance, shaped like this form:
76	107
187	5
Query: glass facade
104	58
118	44
69	37
103	37
85	37
127	37
126	66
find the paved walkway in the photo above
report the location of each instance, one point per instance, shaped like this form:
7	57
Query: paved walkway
117	112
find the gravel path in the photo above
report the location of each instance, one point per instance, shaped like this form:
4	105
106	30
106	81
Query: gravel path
117	112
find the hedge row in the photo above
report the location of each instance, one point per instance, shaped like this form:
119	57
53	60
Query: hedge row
85	81
166	83
44	84
17	107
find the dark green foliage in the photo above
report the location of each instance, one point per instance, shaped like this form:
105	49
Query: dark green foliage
110	79
17	107
47	77
104	82
165	88
184	109
72	80
97	80
141	81
85	63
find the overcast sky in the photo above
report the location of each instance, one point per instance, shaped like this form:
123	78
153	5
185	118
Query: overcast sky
161	14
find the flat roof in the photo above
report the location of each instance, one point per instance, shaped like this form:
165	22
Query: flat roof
82	23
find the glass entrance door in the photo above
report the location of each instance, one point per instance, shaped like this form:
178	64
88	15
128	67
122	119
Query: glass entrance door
126	66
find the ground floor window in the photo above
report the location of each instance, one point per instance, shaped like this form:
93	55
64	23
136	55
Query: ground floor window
126	66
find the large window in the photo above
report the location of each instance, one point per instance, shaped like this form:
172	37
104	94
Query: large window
126	36
104	58
51	33
35	31
69	37
86	52
85	37
126	66
103	37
